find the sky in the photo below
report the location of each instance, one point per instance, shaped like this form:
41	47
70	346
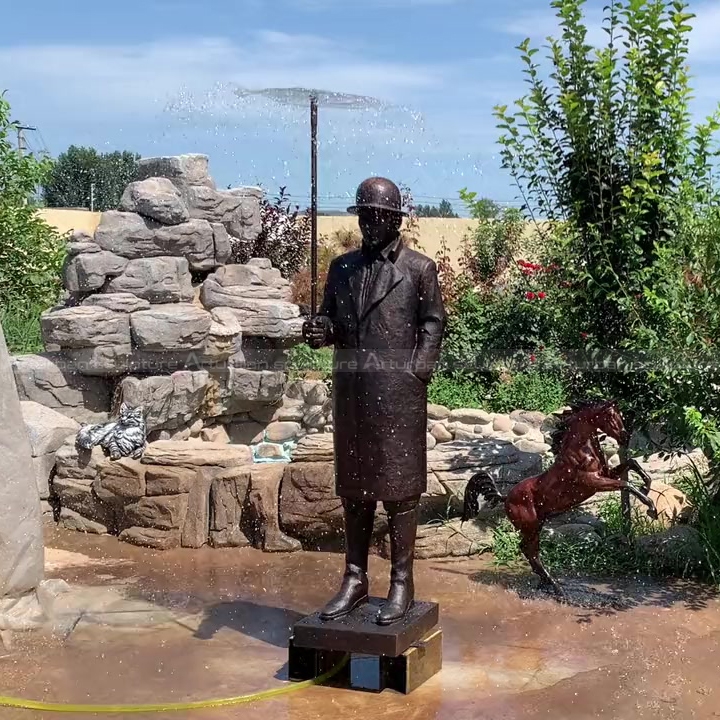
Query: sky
161	77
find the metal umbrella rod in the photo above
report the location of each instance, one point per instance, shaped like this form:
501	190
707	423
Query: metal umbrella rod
300	97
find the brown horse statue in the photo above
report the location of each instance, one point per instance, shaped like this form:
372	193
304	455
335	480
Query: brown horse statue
580	470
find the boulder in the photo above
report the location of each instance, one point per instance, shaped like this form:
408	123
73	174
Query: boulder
532	446
163	512
317	448
263	514
217	434
169	480
132	236
223	248
47	380
238	390
245	433
89	271
441	433
672	504
21	534
157	279
182	170
77	464
80	498
117	302
224	336
451	539
533	418
280	432
85	327
238	209
678	549
314	417
309	507
103	361
437	412
317	394
178	326
228	493
470	416
151	538
120	480
170	401
47	429
155	198
196	453
70	520
290	411
43	467
196	530
520	428
266	451
502	424
431	441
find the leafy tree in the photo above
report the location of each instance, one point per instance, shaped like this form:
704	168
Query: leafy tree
603	147
480	208
31	251
76	170
443	210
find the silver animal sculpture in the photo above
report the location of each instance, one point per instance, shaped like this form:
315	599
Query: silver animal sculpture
125	437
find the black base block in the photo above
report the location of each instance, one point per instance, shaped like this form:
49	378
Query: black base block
397	657
359	633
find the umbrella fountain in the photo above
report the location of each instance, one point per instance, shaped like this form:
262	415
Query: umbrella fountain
297	96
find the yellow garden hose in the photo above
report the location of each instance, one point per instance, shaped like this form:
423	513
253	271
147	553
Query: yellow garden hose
171	706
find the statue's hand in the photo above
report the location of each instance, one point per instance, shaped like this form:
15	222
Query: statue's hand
316	331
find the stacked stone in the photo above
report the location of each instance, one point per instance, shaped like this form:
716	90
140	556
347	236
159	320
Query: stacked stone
188	494
154	316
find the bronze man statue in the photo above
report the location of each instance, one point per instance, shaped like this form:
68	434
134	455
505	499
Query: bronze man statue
383	312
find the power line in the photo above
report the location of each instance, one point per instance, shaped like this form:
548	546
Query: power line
21	142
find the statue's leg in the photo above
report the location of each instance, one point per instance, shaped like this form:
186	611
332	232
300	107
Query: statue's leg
353	591
402	521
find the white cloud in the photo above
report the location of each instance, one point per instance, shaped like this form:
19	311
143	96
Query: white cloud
138	79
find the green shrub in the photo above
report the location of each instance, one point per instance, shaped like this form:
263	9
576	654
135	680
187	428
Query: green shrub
529	391
304	362
21	325
456	391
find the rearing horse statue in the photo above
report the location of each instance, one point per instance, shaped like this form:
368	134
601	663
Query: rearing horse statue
579	471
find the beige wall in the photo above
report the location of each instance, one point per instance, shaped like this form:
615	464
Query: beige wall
432	231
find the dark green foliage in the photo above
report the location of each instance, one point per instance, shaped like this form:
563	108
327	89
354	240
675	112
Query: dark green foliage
78	168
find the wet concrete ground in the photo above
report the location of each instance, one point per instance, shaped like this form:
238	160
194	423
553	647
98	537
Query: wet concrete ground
218	622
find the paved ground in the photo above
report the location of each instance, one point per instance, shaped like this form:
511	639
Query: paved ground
187	624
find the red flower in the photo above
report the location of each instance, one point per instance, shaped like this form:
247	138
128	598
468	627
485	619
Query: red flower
532	358
529	295
542	295
584	335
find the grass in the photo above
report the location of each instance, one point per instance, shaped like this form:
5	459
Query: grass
614	553
21	326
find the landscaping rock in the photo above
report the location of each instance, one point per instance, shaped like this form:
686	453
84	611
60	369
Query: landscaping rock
678	549
155	198
47	429
134	237
70	520
47	380
170	401
451	539
309	507
228	494
43	467
237	390
80	498
196	530
224	337
520	428
164	512
151	538
89	271
263	510
157	279
314	449
216	434
672	504
502	424
314	418
223	248
279	432
85	327
78	464
269	451
238	209
196	453
290	411
183	170
122	480
103	361
431	441
21	534
530	446
441	433
532	418
178	326
437	412
318	394
169	480
245	433
117	302
470	416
